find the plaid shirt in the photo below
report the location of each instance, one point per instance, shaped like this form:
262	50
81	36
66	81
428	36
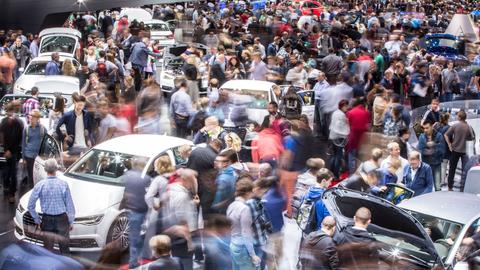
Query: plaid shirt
30	104
55	199
259	218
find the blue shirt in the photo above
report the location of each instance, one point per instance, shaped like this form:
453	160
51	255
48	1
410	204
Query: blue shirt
31	140
52	68
55	199
181	104
319	86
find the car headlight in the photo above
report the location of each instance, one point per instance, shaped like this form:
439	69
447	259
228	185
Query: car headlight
90	220
20	208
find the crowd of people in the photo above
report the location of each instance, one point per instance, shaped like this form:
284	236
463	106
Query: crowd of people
227	205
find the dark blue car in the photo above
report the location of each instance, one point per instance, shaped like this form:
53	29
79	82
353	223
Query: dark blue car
445	45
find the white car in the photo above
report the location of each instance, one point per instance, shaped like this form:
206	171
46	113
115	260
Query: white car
97	188
35	71
161	32
64	41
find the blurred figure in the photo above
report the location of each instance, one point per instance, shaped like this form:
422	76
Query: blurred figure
134	202
365	179
217	243
318	251
359	120
339	131
181	109
32	138
309	177
161	247
58	211
431	145
107	126
56	112
149	103
418	175
394	153
111	257
225	181
268	147
68	69
242	241
211	130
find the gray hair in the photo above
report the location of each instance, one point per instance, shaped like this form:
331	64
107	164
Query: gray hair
51	166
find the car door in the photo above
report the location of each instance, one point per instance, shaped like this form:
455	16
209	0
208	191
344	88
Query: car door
308	104
48	149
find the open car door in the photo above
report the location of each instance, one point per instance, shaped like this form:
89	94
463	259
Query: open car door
308	105
48	149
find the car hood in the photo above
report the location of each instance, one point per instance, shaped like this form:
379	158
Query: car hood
59	83
387	218
89	198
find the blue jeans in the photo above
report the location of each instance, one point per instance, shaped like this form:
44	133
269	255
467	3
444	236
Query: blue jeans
336	159
136	241
240	257
446	97
352	161
261	254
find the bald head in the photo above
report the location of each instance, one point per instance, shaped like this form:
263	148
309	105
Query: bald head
362	217
328	225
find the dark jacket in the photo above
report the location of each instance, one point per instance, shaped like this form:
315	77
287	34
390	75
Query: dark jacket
357	249
203	137
321	211
356	182
423	181
319	252
432	155
69	119
12	134
165	263
135	189
139	54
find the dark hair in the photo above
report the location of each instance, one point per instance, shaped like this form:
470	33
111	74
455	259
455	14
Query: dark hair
79	98
243	187
403	130
274	104
230	154
59	105
462	115
34	91
102	54
342	103
216	221
266	182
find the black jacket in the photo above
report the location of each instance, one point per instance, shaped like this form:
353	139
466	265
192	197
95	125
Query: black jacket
357	249
319	252
165	263
11	129
356	182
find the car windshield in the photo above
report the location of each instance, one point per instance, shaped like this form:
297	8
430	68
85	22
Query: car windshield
64	44
36	68
442	42
102	166
443	232
46	104
255	99
158	27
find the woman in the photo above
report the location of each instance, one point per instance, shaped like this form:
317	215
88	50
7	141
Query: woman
90	56
241	243
68	69
246	61
235	69
164	168
57	112
339	130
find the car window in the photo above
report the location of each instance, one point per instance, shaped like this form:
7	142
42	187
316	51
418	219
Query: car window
102	166
158	27
307	97
469	247
181	153
46	104
37	68
254	99
63	44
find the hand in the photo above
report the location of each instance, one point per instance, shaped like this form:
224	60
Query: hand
382	189
450	147
7	154
256	260
467	241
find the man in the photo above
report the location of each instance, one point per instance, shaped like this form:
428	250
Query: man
261	48
449	78
379	61
432	147
318	250
139	59
332	65
339	131
355	245
57	208
11	129
297	75
21	54
32	103
31	140
324	43
211	40
417	176
456	137
181	215
225	181
161	246
53	66
273	47
261	225
258	70
7	66
181	109
359	120
321	85
136	186
105	69
211	130
394	153
107	125
217	246
365	179
432	115
202	160
78	124
314	194
273	114
34	46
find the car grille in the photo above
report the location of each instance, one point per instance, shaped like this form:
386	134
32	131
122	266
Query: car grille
29	227
18	230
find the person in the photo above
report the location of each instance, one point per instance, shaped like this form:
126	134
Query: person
133	201
149	101
58	210
68	69
107	125
432	147
297	75
309	177
225	181
261	225
321	85
267	147
359	121
291	104
7	66
332	65
11	129
450	78
21	54
217	249
339	131
138	57
389	174
365	179
31	103
53	66
211	130
161	247
456	139
202	160
417	176
56	113
319	251
242	242
31	141
355	245
394	153
181	109
314	194
258	69
432	115
181	218
273	114
402	140
78	124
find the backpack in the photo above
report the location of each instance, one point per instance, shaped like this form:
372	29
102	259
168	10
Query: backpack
304	218
291	107
102	71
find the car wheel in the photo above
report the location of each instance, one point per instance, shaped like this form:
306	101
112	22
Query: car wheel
119	230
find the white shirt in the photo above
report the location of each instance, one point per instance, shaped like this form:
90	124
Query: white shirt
105	124
79	132
414	172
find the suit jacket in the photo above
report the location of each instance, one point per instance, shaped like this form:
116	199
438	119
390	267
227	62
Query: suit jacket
68	119
423	181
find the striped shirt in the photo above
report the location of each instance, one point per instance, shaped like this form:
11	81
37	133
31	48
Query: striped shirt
30	104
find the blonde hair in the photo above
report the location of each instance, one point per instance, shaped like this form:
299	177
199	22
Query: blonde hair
233	142
68	69
395	163
160	244
163	165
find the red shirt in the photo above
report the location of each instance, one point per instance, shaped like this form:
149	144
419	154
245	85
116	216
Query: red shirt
359	119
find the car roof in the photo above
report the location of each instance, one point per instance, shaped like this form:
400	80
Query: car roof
60	31
146	145
154	21
48	58
453	206
248	84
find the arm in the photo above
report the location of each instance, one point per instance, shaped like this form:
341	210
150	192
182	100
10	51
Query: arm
441	148
61	121
247	233
429	179
24	141
69	205
151	192
32	202
447	137
421	143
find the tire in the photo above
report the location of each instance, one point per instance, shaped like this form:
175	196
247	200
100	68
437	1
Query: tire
119	231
